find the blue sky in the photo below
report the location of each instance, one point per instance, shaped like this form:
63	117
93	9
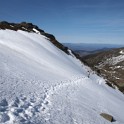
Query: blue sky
74	21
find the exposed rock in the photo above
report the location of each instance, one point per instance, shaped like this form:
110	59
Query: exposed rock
107	117
19	26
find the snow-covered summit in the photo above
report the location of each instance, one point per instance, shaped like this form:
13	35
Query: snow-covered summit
29	27
41	84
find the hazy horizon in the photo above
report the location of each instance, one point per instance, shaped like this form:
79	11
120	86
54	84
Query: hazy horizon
93	43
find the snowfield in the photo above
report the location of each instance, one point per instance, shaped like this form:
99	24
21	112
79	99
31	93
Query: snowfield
115	60
40	84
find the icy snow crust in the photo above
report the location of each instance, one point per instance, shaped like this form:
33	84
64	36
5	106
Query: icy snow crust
40	84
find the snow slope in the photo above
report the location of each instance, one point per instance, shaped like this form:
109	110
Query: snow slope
40	84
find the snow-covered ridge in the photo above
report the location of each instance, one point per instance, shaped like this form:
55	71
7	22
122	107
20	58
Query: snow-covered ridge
40	84
38	49
29	27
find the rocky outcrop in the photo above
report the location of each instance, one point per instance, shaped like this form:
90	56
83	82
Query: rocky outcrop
19	26
107	117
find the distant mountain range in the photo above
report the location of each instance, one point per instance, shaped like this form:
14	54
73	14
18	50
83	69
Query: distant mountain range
91	46
84	49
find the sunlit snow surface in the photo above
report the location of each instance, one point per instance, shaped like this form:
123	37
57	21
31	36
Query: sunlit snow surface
115	60
40	84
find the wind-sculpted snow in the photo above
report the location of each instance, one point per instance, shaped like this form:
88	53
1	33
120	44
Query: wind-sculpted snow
34	53
40	84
